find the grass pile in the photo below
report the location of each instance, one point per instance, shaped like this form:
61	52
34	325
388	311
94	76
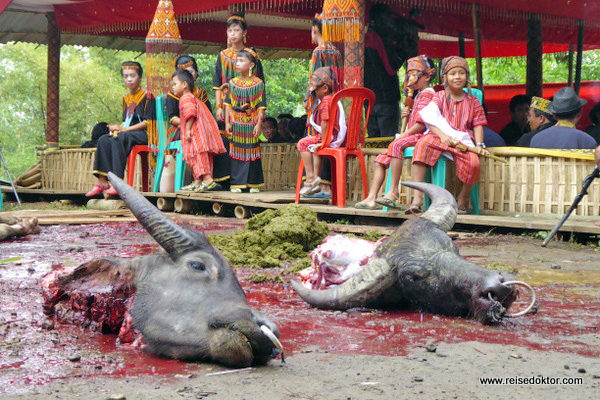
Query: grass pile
273	238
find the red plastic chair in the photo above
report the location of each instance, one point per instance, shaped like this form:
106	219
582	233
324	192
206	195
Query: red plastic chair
143	150
355	138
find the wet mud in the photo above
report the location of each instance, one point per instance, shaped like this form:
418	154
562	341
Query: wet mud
33	354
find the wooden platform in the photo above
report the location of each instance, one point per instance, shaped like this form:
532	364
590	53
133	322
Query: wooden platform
278	199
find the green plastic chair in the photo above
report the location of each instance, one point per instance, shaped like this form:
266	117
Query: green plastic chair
1	201
162	124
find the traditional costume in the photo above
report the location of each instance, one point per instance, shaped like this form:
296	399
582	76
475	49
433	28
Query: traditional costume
111	153
246	96
396	149
204	137
456	118
225	70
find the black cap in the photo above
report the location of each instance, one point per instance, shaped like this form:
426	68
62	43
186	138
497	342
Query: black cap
565	100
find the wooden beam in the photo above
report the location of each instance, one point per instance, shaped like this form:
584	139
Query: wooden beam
534	56
477	37
53	82
579	57
461	45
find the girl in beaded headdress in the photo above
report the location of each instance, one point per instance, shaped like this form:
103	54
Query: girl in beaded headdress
245	107
225	65
112	150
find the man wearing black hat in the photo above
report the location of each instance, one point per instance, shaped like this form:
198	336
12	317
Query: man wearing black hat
566	108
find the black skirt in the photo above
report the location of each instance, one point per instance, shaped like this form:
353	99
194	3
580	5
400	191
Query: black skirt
111	153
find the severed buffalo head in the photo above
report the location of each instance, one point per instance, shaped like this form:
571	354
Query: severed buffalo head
418	267
187	304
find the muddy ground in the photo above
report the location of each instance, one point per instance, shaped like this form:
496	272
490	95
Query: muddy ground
363	354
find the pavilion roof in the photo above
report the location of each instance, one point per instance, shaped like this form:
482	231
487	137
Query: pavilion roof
280	27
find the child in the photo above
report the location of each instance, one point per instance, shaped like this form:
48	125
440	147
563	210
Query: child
454	116
323	86
200	137
225	68
419	72
246	105
112	149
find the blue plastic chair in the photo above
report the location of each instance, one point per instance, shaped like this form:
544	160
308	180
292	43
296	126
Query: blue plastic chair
437	176
162	124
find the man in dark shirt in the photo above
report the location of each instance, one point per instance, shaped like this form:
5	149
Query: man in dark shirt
566	108
594	129
519	111
539	119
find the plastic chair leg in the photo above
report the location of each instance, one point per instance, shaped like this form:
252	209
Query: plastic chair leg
144	156
1	201
131	167
299	181
160	164
388	184
340	187
179	170
475	198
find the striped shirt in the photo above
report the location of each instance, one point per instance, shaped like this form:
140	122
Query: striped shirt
423	98
462	115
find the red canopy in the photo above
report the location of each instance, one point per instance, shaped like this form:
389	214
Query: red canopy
284	23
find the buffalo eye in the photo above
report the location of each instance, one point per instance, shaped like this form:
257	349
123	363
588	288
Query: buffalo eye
197	266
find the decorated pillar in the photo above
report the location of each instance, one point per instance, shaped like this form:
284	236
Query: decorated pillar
343	25
534	56
163	46
477	38
579	61
52	82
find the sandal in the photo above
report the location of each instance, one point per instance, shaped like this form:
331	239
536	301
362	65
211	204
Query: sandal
389	203
235	190
362	206
97	189
254	190
319	195
414	209
112	192
190	188
207	188
462	210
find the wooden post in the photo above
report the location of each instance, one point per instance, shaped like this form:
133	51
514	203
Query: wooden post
477	37
570	77
579	57
534	56
52	82
461	45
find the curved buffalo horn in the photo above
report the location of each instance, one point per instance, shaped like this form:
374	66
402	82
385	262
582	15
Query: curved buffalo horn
366	286
170	236
443	208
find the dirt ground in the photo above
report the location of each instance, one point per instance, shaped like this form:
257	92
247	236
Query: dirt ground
361	354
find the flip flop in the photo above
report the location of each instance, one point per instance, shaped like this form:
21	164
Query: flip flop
190	188
361	206
389	203
462	210
414	209
207	188
320	195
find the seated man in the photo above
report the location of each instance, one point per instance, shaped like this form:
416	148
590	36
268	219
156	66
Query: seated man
594	129
539	119
566	108
519	111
